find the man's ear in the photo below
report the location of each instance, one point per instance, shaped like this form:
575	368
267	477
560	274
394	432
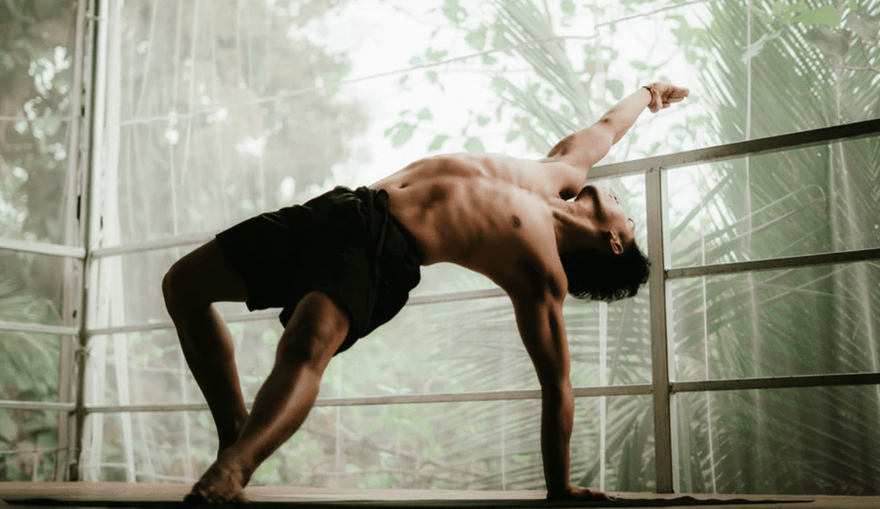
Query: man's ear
614	241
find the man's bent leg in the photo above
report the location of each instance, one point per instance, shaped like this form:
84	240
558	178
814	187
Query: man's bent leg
191	286
315	331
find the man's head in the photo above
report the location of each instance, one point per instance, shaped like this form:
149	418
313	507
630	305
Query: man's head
612	266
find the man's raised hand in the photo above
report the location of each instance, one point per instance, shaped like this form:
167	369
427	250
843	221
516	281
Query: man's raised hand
663	94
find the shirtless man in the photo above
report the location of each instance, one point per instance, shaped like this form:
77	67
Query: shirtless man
343	264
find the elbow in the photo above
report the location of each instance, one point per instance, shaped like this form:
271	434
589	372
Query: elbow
557	390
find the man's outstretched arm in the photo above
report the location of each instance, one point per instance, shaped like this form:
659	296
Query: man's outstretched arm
585	148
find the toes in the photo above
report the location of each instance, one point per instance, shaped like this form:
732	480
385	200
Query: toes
203	496
195	498
239	499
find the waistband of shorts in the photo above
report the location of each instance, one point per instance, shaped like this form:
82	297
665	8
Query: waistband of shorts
382	198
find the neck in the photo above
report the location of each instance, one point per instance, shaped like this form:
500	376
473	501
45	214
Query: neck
574	230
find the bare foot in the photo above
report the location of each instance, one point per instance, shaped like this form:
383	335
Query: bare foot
222	484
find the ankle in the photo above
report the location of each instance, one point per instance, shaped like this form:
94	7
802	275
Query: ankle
234	460
227	437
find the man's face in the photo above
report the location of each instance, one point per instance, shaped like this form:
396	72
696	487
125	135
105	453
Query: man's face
608	216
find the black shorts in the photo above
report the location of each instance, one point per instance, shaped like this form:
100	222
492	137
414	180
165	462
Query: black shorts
344	243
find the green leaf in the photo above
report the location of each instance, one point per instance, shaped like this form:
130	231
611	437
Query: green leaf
482	121
615	87
568	7
512	135
474	145
453	11
425	114
438	142
402	132
435	55
477	38
489	60
432	76
638	65
499	41
403	79
826	15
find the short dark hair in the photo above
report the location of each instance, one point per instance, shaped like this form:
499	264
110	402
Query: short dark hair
597	275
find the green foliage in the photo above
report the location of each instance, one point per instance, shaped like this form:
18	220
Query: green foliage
477	38
400	133
474	145
808	321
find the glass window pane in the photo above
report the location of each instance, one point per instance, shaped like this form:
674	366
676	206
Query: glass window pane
29	365
129	288
140	368
805	321
816	441
475	445
34	180
393	446
32	287
37	58
165	447
753	70
28	445
797	202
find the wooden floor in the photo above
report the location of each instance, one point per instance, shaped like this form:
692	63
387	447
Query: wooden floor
85	495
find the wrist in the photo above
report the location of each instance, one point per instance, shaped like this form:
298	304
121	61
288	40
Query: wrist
655	101
560	492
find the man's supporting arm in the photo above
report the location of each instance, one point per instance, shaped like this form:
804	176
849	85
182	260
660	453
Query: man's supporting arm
585	148
542	329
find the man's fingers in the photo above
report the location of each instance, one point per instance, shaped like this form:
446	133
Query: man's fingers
679	93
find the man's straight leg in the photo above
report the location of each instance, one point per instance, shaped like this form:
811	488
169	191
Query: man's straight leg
312	336
191	286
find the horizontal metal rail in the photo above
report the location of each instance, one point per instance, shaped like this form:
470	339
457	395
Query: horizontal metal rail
489	293
802	139
44	248
775	263
404	399
273	315
60	330
677	273
782	142
781	382
152	245
777	382
36	405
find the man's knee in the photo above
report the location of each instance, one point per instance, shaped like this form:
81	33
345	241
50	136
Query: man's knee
177	292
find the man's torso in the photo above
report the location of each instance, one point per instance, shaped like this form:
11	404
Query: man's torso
489	213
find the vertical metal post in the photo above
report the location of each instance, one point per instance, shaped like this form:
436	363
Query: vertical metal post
660	352
93	57
71	306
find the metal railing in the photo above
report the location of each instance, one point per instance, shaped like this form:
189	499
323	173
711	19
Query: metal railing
661	388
